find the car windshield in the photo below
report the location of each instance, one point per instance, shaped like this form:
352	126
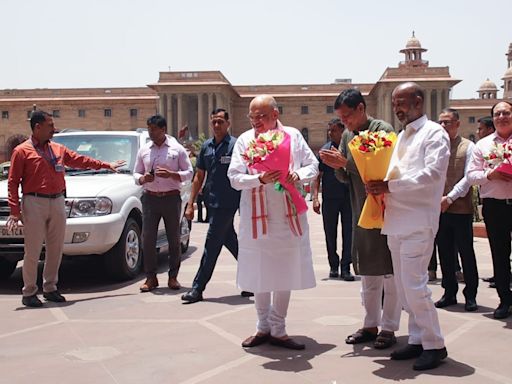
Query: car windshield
106	148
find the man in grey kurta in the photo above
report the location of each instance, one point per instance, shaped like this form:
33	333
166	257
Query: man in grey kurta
370	253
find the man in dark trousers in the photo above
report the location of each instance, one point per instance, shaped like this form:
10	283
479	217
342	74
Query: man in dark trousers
222	201
335	204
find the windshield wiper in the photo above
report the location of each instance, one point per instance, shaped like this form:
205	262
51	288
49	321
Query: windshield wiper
74	172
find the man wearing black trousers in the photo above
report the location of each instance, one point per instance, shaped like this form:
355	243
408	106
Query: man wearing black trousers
335	204
222	201
456	220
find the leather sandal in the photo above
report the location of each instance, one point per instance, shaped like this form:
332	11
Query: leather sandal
385	339
360	336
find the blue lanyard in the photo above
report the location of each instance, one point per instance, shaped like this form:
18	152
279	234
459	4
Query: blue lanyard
52	159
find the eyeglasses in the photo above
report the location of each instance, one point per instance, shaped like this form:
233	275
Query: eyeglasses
446	122
261	116
502	113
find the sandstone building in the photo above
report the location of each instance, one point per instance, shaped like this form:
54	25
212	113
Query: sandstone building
186	98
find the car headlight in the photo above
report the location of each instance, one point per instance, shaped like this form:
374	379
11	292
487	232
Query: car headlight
99	206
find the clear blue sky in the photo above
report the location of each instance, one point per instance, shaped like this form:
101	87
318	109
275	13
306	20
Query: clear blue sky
96	43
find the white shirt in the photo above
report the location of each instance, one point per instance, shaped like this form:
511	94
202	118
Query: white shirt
416	174
478	170
462	187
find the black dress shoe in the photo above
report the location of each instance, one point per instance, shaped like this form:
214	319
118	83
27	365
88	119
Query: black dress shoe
470	305
429	359
254	341
286	343
488	279
192	296
54	296
347	276
410	351
502	312
492	284
445	302
333	274
246	294
31	301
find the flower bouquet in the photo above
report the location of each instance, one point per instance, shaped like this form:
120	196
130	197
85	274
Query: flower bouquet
500	157
270	151
372	153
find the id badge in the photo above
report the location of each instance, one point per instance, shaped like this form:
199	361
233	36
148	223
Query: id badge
225	159
59	168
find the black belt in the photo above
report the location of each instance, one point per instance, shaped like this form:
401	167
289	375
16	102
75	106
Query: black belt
500	201
54	196
163	194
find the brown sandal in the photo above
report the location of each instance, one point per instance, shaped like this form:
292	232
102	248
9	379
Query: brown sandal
385	339
360	336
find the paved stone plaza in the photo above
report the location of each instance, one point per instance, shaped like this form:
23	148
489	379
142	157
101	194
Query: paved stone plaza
110	333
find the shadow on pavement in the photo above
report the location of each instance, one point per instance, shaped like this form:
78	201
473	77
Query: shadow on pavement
83	274
288	360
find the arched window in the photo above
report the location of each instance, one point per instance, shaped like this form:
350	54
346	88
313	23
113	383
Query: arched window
305	134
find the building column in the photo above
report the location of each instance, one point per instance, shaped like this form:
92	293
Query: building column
210	103
387	107
428	104
202	121
440	105
220	101
447	97
180	114
161	104
168	114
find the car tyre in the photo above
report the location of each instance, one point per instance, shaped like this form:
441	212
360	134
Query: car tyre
124	260
7	267
185	229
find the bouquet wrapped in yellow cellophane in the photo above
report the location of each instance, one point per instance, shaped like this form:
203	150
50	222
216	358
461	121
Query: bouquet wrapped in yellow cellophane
372	153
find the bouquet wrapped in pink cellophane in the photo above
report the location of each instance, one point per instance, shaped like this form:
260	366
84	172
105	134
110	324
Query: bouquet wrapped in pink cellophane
270	151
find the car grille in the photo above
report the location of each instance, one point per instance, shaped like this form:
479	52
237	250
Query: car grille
4	208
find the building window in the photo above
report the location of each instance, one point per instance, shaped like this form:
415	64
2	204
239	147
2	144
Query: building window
5	114
133	112
29	114
471	119
280	109
305	134
304	110
56	113
81	113
107	112
329	109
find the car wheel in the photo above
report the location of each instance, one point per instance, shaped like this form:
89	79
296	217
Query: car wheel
7	267
185	228
124	260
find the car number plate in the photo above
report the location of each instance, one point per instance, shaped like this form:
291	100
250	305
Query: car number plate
5	232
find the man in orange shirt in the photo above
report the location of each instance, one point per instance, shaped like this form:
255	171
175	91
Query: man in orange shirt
38	165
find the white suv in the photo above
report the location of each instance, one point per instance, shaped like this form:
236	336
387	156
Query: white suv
104	208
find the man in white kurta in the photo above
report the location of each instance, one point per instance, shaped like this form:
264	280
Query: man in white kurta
414	187
274	258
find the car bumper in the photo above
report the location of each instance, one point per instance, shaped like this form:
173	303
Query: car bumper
103	233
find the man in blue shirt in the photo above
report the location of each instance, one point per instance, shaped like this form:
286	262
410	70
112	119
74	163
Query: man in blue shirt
222	201
335	204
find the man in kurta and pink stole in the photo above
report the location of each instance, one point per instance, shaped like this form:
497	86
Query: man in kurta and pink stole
274	248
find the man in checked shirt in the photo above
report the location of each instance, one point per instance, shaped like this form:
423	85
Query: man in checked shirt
161	166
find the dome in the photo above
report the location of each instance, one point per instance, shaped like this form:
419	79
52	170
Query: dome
508	73
488	85
413	42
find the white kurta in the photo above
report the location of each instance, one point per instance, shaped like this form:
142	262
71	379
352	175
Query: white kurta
278	261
